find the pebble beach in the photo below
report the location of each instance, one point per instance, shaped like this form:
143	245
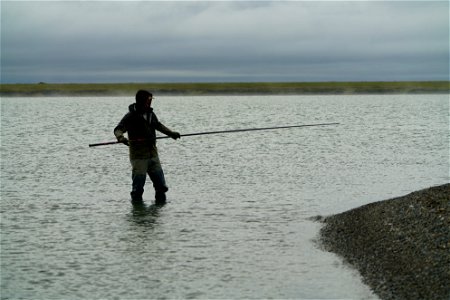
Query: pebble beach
400	246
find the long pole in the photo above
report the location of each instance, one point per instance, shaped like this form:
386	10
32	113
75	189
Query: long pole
226	131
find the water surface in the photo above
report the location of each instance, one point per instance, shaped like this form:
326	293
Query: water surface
237	224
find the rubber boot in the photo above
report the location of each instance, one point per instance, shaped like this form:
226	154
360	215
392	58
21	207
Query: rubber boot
136	198
160	198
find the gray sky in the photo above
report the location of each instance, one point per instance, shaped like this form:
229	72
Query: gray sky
191	41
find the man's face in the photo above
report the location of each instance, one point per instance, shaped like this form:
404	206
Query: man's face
148	103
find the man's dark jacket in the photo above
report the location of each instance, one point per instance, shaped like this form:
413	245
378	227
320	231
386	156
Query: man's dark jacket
141	132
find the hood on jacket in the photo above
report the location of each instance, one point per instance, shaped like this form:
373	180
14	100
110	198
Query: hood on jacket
132	108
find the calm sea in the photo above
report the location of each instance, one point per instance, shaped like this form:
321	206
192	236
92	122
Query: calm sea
237	224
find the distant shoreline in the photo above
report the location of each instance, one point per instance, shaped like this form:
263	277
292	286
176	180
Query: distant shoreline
239	88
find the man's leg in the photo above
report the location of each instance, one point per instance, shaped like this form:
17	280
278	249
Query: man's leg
156	174
138	174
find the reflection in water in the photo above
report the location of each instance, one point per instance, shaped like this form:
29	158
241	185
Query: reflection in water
145	215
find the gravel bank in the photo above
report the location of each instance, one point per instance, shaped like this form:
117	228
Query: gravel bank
400	246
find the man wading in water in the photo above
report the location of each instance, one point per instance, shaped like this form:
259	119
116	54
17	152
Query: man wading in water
140	123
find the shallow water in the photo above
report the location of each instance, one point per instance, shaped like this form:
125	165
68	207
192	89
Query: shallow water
237	224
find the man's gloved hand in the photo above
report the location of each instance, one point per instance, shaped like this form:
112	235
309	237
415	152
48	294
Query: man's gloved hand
175	135
123	140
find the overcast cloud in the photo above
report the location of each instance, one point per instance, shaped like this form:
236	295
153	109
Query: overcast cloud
185	41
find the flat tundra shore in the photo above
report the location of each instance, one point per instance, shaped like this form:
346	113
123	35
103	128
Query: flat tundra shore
401	246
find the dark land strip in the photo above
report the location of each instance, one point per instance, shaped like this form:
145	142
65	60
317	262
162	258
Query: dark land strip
240	88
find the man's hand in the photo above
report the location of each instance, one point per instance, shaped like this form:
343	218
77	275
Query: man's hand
175	135
123	140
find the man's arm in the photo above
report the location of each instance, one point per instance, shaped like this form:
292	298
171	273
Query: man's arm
163	129
120	130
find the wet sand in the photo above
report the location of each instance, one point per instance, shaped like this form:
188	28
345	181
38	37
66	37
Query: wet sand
400	246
